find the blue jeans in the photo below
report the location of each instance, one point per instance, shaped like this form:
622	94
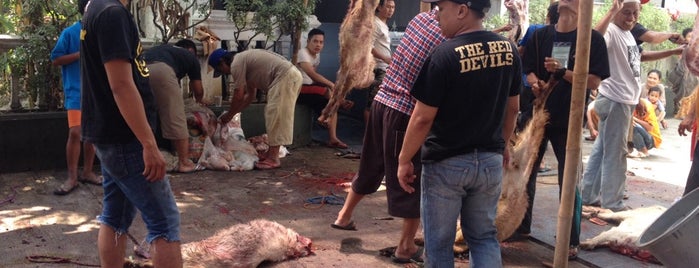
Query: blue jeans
641	138
126	189
467	185
605	175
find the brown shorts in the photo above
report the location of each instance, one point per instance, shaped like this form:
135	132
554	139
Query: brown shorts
383	140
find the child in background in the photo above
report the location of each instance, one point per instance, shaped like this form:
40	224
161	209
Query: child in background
654	94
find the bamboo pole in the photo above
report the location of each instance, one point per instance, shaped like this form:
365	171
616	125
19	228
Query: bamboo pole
575	121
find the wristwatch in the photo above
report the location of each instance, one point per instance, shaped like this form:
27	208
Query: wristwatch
559	73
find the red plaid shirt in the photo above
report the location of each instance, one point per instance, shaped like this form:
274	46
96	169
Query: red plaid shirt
421	35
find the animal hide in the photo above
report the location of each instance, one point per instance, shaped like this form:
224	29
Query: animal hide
356	61
243	246
518	17
623	238
692	51
513	202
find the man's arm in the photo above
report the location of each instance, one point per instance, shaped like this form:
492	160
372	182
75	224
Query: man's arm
654	37
197	89
602	25
307	68
656	55
378	55
242	97
66	59
418	127
131	108
508	127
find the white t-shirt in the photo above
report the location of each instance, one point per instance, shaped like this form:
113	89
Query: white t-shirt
382	42
305	56
624	84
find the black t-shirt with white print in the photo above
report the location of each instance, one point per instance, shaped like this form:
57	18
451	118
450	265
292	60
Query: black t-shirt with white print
469	78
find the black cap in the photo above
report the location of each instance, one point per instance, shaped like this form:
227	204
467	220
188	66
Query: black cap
482	6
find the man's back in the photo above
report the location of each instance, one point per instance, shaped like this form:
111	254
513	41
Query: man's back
109	33
469	78
182	61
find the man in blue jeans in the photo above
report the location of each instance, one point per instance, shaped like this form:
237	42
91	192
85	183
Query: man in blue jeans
460	87
118	118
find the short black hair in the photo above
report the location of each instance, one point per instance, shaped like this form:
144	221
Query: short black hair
381	3
315	31
654	89
81	6
686	31
187	44
656	71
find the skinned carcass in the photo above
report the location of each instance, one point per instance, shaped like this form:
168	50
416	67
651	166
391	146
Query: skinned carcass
513	201
691	53
623	238
356	61
243	246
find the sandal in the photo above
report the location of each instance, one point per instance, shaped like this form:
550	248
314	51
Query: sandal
61	190
96	180
337	145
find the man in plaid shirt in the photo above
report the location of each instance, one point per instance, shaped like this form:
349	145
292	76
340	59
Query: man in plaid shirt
388	119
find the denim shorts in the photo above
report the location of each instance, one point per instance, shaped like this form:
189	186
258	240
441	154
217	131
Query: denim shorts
126	190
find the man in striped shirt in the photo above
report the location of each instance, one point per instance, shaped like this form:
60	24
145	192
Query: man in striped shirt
388	119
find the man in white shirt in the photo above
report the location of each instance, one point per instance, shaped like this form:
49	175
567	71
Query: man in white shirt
315	88
605	175
382	48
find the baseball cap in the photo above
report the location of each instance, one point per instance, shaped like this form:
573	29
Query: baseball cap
215	60
478	5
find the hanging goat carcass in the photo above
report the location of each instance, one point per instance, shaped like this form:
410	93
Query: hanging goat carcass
356	61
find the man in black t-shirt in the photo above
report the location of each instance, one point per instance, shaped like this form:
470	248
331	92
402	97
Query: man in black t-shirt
118	112
551	52
467	102
168	65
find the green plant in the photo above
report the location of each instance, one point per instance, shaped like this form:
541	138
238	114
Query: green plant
270	18
39	23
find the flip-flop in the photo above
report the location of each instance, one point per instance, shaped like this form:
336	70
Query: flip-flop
63	191
387	252
265	166
349	227
415	258
96	181
337	145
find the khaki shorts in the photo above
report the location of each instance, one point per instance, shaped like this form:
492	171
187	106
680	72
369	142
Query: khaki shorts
168	99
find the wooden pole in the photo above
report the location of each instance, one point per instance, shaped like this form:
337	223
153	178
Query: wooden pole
573	152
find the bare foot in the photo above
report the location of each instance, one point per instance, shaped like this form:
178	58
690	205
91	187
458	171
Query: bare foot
186	167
